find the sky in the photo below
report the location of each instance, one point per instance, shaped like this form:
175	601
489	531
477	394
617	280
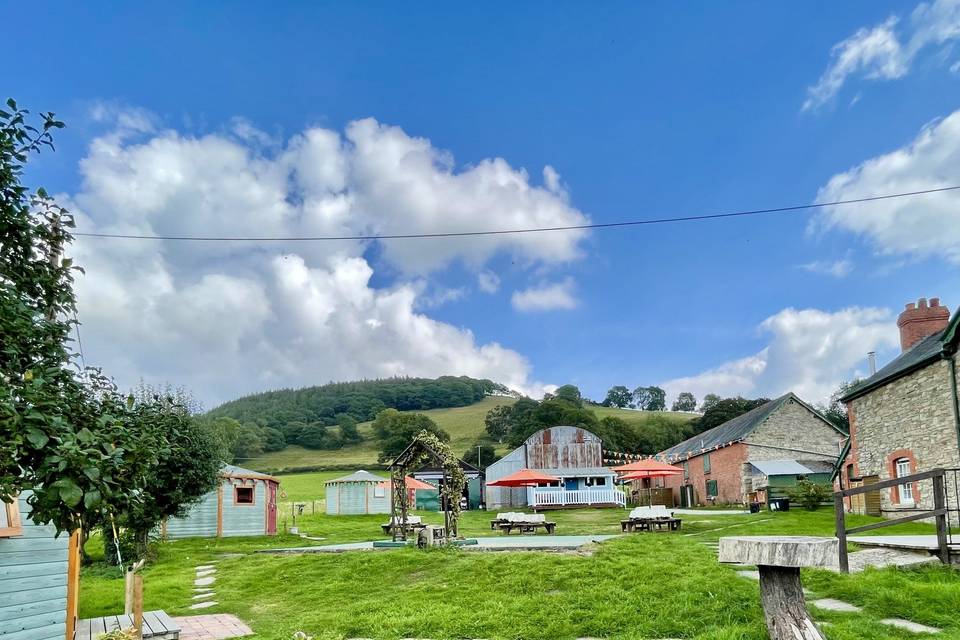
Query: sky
345	119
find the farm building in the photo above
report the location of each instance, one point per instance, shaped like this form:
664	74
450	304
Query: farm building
772	479
716	464
358	493
34	569
245	504
472	493
573	455
905	418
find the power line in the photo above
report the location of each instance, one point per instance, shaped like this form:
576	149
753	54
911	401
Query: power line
456	234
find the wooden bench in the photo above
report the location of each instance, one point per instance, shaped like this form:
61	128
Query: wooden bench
414	524
527	527
648	524
779	559
157	625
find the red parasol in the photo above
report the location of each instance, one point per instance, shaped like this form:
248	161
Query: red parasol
646	465
523	478
411	483
653	473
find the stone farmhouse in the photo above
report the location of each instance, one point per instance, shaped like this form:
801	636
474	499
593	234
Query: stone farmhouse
905	418
717	465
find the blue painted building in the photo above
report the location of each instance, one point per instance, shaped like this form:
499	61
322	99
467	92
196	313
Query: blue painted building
357	493
245	504
33	577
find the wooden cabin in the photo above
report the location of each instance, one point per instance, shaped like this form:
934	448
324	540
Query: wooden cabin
358	493
245	504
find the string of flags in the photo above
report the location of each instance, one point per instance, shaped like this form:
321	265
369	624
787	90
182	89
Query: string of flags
615	457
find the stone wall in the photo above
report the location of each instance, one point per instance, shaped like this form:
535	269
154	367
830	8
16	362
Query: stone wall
910	417
794	432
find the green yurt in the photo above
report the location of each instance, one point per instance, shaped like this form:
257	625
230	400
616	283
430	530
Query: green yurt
360	492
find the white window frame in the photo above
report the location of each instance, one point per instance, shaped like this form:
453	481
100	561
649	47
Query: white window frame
379	491
901	466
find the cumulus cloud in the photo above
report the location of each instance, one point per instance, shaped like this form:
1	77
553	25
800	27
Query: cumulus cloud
229	318
546	297
835	268
809	352
921	226
886	51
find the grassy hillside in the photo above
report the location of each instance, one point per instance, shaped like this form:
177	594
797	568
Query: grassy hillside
464	424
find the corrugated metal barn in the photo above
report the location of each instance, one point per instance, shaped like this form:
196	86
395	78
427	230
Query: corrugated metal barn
245	504
358	493
33	576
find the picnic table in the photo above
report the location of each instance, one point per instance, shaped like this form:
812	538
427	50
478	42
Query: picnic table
414	524
648	518
522	522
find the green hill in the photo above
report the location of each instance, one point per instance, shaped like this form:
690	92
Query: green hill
464	424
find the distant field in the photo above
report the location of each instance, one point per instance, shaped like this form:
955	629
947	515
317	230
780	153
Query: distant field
464	424
637	417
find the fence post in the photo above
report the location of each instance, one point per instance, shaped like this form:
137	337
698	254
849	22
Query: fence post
841	532
939	502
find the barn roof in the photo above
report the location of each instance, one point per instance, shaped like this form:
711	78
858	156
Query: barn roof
358	476
233	471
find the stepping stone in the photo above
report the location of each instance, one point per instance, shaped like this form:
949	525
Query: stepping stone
915	627
203	596
208	572
203	605
202	582
204	567
202	590
830	604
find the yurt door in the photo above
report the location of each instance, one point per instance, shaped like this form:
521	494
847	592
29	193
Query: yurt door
271	508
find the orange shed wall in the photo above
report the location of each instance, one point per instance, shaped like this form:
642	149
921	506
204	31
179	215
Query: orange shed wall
726	467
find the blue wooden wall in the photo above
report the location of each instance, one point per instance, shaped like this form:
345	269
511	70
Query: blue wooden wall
33	582
238	520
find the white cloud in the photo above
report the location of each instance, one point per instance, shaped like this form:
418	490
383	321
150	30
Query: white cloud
922	226
546	297
835	268
881	53
488	281
810	352
229	318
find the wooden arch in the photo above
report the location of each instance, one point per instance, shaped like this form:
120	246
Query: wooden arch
426	447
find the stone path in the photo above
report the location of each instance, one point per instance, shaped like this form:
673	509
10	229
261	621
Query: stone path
212	627
202	589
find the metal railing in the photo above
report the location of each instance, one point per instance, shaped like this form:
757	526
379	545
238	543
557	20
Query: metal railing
940	512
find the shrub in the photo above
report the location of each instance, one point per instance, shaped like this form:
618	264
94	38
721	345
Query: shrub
810	494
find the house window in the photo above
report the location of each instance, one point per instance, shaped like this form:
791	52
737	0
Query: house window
243	495
712	489
706	463
10	524
686	470
905	490
379	491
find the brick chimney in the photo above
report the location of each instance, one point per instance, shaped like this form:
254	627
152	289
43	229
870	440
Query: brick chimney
917	321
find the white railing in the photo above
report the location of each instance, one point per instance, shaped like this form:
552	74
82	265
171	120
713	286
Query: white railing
561	498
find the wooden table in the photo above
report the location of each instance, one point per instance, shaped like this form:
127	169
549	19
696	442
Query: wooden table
156	624
647	524
779	559
527	527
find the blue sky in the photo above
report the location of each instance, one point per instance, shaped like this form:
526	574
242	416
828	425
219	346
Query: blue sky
208	118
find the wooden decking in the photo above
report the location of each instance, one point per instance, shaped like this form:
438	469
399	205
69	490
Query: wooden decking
156	624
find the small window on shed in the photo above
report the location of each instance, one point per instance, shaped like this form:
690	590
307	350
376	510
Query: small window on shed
379	491
706	463
243	495
712	489
10	524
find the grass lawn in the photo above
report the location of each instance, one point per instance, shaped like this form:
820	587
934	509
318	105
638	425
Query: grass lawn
638	586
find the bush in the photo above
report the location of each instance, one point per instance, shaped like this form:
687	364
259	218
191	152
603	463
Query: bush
810	494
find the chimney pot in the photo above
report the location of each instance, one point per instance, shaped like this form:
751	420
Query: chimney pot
917	321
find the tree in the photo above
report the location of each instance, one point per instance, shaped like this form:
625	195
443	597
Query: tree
709	401
498	422
650	398
618	396
318	437
487	454
685	401
397	430
834	410
273	439
726	409
569	393
348	429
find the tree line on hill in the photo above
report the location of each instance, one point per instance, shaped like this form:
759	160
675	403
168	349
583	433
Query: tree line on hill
655	399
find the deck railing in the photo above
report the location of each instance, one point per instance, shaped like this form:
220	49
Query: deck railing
562	498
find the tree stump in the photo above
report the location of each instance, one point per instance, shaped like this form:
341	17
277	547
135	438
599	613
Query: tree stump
779	559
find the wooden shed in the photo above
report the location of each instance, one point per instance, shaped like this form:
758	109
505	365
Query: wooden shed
358	493
245	504
34	569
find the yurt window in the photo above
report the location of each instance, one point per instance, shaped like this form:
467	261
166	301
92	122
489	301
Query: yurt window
244	495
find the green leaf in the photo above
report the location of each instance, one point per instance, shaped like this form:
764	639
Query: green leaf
91	498
93	473
37	438
70	493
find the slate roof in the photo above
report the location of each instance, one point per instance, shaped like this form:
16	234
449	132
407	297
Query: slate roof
732	430
916	357
358	476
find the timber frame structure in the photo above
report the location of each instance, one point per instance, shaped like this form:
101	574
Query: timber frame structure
426	447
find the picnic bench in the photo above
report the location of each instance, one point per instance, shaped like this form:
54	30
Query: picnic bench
648	518
524	523
414	524
157	625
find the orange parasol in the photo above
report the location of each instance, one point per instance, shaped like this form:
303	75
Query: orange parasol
523	478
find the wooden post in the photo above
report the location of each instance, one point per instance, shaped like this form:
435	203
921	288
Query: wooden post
841	533
73	582
128	592
784	607
220	509
940	503
138	604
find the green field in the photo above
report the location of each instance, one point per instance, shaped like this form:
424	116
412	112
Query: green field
464	424
637	586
